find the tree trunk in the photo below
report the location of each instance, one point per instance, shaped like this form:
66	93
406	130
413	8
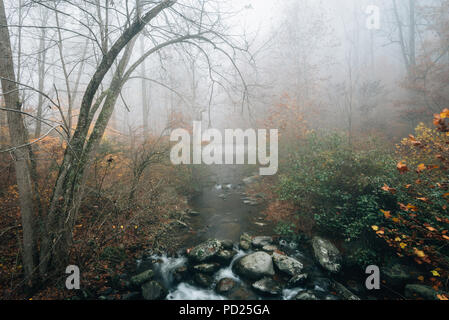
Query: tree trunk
41	71
145	104
68	188
19	137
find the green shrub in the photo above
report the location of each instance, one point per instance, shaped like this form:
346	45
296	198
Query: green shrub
338	184
286	230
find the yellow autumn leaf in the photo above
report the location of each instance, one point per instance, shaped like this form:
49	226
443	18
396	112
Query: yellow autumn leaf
402	245
375	228
420	253
444	114
435	273
387	214
422	167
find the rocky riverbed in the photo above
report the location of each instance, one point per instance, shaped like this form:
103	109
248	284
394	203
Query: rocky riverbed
225	255
254	268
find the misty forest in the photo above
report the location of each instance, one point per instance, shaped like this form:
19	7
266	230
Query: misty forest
93	208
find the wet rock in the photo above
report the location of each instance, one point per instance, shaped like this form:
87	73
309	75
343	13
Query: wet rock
254	266
245	241
287	264
225	285
418	291
203	280
307	295
153	290
269	248
242	293
227	244
267	286
141	278
193	213
250	180
259	242
298	280
250	202
226	256
343	292
320	284
180	274
205	250
397	275
327	254
208	268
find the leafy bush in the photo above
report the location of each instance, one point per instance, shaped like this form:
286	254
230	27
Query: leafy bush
286	230
363	257
340	185
417	225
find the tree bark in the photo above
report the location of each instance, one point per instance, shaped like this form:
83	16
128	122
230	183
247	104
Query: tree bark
68	188
41	71
19	136
145	104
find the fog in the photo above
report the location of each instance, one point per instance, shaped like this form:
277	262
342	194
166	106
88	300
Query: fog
118	123
314	51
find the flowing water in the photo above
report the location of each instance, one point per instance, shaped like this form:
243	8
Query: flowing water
224	212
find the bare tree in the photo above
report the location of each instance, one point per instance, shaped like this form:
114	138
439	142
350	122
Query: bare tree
19	137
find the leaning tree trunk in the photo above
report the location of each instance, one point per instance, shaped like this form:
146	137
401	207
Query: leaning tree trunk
19	138
68	188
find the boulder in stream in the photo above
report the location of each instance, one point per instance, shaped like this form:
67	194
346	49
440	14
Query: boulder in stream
180	273
245	241
298	280
269	248
287	264
208	268
267	286
327	254
205	251
254	266
307	295
141	278
251	180
225	285
203	280
259	242
227	244
153	290
226	256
